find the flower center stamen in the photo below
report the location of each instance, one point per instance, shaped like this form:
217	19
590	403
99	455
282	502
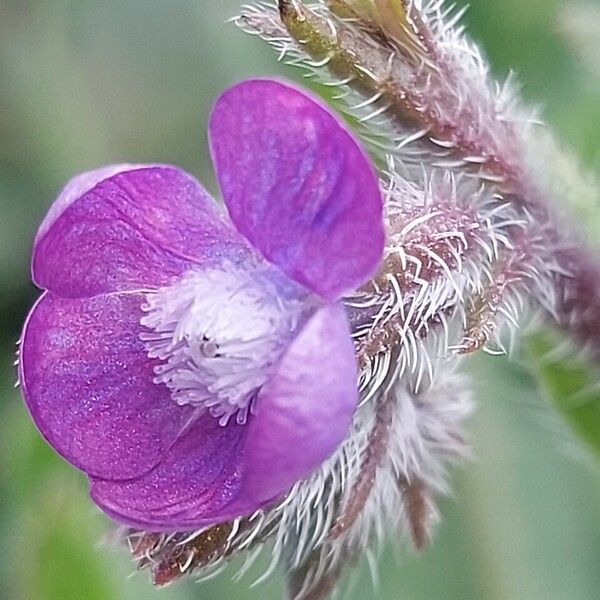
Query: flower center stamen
218	335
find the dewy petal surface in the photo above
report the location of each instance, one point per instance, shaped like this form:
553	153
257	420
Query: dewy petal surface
125	227
87	382
298	185
214	473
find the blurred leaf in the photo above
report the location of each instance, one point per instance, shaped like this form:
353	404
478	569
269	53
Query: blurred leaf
571	382
579	23
62	563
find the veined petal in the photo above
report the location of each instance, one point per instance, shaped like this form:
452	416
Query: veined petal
213	473
197	479
298	185
87	382
125	227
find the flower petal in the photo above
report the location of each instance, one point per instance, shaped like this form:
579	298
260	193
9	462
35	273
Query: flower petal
298	185
305	410
198	478
127	227
87	382
213	473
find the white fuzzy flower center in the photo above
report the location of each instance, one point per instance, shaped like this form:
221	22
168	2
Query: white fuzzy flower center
218	335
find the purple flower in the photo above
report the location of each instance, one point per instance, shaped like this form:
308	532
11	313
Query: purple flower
195	364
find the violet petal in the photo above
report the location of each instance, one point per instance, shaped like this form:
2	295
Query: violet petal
213	473
298	185
126	227
305	410
198	477
87	382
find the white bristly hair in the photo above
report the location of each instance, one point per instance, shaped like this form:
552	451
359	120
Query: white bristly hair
420	437
217	334
470	250
484	116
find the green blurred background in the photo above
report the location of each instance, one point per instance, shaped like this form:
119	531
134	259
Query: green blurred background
84	83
